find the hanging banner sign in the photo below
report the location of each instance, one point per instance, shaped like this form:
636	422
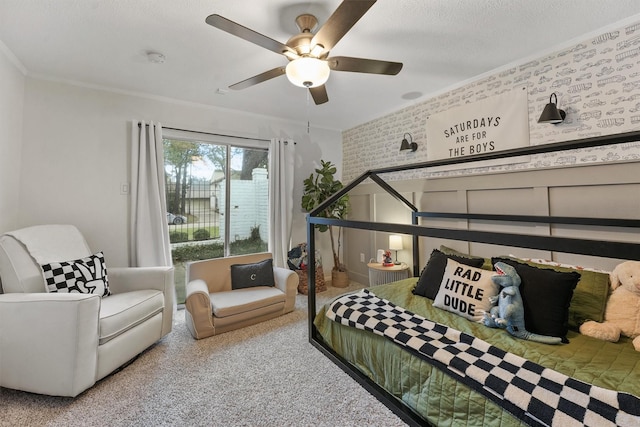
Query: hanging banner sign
497	123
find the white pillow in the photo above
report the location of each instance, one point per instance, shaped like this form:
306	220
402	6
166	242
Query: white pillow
466	291
559	264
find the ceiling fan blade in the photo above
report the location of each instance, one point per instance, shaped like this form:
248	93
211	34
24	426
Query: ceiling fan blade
361	65
340	22
262	77
319	94
238	30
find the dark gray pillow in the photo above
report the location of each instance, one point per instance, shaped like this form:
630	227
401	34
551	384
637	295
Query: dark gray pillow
254	274
546	295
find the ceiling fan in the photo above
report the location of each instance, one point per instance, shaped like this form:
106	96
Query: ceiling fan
308	53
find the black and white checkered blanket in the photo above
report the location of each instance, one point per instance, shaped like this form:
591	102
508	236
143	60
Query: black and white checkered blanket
533	393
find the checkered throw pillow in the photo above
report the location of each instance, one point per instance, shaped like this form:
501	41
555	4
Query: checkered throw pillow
86	276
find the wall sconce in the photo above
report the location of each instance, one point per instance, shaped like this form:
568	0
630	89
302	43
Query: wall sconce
408	144
395	244
551	113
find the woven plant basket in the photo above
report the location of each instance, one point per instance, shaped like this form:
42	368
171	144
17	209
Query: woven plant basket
339	279
303	285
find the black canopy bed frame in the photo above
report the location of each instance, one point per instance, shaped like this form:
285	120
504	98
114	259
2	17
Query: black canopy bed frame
581	246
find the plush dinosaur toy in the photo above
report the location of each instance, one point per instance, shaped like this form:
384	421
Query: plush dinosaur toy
509	313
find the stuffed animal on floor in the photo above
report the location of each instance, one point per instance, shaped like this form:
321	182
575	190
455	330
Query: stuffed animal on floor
509	313
297	257
622	315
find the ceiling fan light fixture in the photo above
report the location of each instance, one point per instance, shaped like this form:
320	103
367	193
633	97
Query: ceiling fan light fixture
317	50
308	72
308	51
290	55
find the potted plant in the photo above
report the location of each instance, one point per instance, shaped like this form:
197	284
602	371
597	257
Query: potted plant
318	188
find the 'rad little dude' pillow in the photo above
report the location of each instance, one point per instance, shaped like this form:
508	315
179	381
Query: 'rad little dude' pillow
466	291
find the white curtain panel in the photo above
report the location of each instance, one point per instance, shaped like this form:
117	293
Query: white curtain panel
149	234
281	162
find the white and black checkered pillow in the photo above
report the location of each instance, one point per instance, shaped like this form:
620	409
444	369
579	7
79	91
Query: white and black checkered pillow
87	276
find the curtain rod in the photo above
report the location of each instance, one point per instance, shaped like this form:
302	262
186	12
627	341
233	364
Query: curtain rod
214	134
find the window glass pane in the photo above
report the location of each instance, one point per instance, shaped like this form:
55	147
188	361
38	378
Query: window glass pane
191	169
249	201
202	205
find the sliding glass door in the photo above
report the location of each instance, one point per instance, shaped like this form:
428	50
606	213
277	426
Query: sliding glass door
217	201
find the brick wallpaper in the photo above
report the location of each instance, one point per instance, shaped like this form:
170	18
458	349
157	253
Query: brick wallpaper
597	83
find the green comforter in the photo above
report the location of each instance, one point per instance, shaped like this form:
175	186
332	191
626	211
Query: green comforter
442	400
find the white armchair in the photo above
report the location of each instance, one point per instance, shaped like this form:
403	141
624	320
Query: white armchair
62	343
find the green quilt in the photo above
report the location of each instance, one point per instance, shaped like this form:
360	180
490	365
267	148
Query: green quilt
443	401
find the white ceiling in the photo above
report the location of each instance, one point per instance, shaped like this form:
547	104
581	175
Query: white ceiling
104	43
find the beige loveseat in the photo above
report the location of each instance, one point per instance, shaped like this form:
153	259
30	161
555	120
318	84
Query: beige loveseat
212	307
60	344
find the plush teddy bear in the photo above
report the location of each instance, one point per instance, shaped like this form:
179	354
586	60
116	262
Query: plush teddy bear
622	315
509	313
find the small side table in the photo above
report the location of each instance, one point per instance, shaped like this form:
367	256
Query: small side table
378	274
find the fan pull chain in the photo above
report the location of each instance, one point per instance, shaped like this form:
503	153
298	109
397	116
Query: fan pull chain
308	104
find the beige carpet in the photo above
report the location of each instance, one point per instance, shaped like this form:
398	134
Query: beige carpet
263	375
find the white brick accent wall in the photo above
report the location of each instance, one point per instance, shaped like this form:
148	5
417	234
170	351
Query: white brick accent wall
597	83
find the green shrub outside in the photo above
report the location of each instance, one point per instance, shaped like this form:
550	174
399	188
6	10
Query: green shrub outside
251	245
247	246
178	237
197	252
201	234
216	250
